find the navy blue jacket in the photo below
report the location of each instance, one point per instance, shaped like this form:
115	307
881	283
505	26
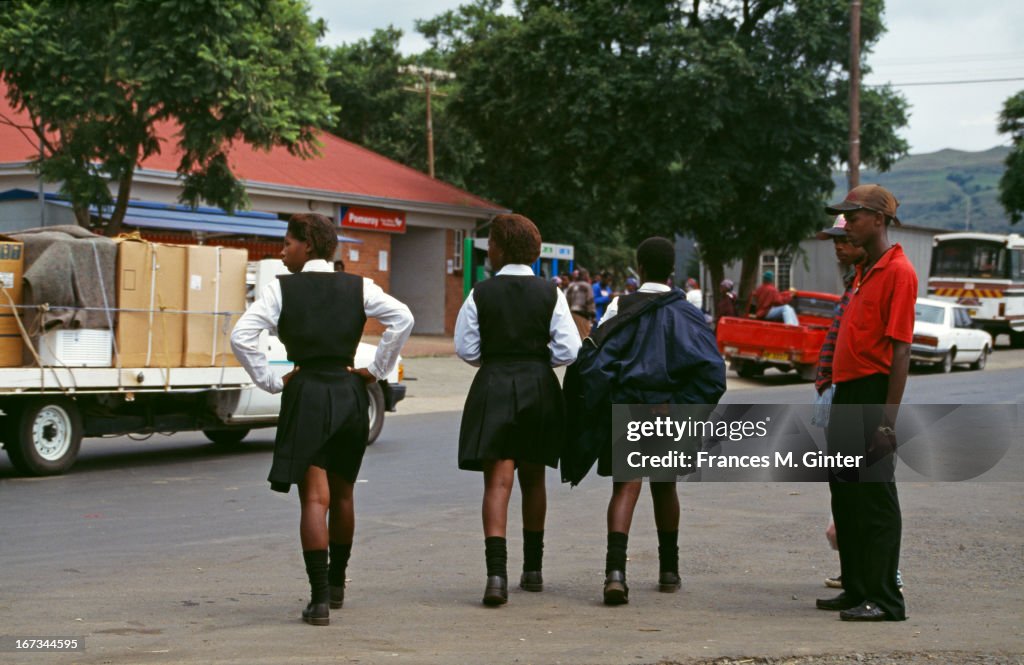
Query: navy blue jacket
659	350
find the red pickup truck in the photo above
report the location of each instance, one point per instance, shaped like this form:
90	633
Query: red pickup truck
753	345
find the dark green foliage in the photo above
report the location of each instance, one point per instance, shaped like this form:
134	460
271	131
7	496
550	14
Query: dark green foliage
1011	186
100	78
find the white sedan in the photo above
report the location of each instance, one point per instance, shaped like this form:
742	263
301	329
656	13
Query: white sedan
944	336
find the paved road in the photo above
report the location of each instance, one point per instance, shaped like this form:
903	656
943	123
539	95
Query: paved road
167	551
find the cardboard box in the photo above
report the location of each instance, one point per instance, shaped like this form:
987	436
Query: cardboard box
215	299
12	269
150	281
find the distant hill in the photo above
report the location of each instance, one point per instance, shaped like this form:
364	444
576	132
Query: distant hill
933	189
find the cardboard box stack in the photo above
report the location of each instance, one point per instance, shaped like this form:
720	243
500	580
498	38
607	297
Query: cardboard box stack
12	267
215	299
161	282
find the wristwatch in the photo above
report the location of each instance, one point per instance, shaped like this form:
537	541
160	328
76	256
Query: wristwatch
886	430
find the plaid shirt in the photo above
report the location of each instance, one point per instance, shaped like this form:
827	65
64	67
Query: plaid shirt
828	347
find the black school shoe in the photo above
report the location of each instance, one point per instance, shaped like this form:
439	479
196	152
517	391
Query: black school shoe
615	590
867	611
669	582
837	604
337	597
317	614
496	592
531	580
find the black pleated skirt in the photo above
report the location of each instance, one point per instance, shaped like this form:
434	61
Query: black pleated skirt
324	422
514	410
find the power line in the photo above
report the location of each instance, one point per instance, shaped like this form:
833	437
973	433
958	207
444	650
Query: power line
963	82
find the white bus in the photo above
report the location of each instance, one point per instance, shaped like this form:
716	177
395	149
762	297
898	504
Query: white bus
985	273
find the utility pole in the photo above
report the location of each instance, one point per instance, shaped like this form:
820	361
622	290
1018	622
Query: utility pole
428	76
854	161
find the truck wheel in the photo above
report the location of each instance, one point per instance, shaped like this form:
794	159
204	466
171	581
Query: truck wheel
44	437
747	369
376	412
226	438
807	371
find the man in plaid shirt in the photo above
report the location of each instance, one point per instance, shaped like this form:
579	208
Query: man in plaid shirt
849	257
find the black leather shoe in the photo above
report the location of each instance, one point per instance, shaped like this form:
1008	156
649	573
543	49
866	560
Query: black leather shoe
669	582
337	596
496	592
840	602
317	614
531	580
866	611
615	590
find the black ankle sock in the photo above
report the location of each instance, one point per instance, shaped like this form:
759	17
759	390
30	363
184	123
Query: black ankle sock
533	550
339	562
496	551
668	551
616	559
316	570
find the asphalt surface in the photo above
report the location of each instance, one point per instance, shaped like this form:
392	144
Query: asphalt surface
170	551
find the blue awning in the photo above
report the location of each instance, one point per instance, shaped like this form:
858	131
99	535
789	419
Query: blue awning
169	217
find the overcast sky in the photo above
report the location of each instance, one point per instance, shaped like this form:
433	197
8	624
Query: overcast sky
928	40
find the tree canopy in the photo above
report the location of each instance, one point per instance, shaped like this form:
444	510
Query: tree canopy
722	119
1011	185
100	79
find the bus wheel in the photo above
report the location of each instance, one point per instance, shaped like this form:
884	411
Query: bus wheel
1017	339
44	436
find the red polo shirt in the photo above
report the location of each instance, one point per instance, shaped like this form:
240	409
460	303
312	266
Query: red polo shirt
881	309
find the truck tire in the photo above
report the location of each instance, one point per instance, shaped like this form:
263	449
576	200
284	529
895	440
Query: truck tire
376	412
807	371
226	438
44	435
747	369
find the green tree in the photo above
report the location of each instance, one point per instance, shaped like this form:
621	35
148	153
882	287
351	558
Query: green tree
1011	185
722	119
101	80
382	110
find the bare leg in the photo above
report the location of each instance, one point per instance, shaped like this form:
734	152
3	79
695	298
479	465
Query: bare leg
535	498
622	504
342	517
499	475
315	497
666	506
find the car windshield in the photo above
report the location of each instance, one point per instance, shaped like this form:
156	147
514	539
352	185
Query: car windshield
928	313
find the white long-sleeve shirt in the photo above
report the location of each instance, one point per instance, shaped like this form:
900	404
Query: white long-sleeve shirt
565	337
646	287
266	311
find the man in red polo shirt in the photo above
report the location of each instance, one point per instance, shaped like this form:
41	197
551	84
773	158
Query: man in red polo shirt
869	368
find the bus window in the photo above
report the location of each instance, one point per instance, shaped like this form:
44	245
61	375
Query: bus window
1017	264
969	258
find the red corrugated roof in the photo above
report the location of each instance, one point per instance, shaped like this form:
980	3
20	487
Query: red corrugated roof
342	167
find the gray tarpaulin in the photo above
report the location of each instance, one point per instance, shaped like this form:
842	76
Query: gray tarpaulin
68	266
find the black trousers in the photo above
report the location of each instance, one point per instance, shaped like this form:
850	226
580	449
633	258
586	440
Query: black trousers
866	512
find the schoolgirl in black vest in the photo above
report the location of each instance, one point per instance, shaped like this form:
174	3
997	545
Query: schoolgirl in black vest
321	435
515	327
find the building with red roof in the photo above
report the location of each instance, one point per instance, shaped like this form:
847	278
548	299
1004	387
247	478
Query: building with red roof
405	228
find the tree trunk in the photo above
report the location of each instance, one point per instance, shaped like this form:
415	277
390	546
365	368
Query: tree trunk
124	188
82	217
717	271
748	277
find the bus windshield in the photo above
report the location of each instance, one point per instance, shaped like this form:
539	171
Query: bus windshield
969	258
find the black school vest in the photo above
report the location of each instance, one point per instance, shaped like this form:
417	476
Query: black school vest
322	317
514	313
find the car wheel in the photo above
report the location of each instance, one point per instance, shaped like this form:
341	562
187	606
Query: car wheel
946	366
982	359
43	438
226	438
376	412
